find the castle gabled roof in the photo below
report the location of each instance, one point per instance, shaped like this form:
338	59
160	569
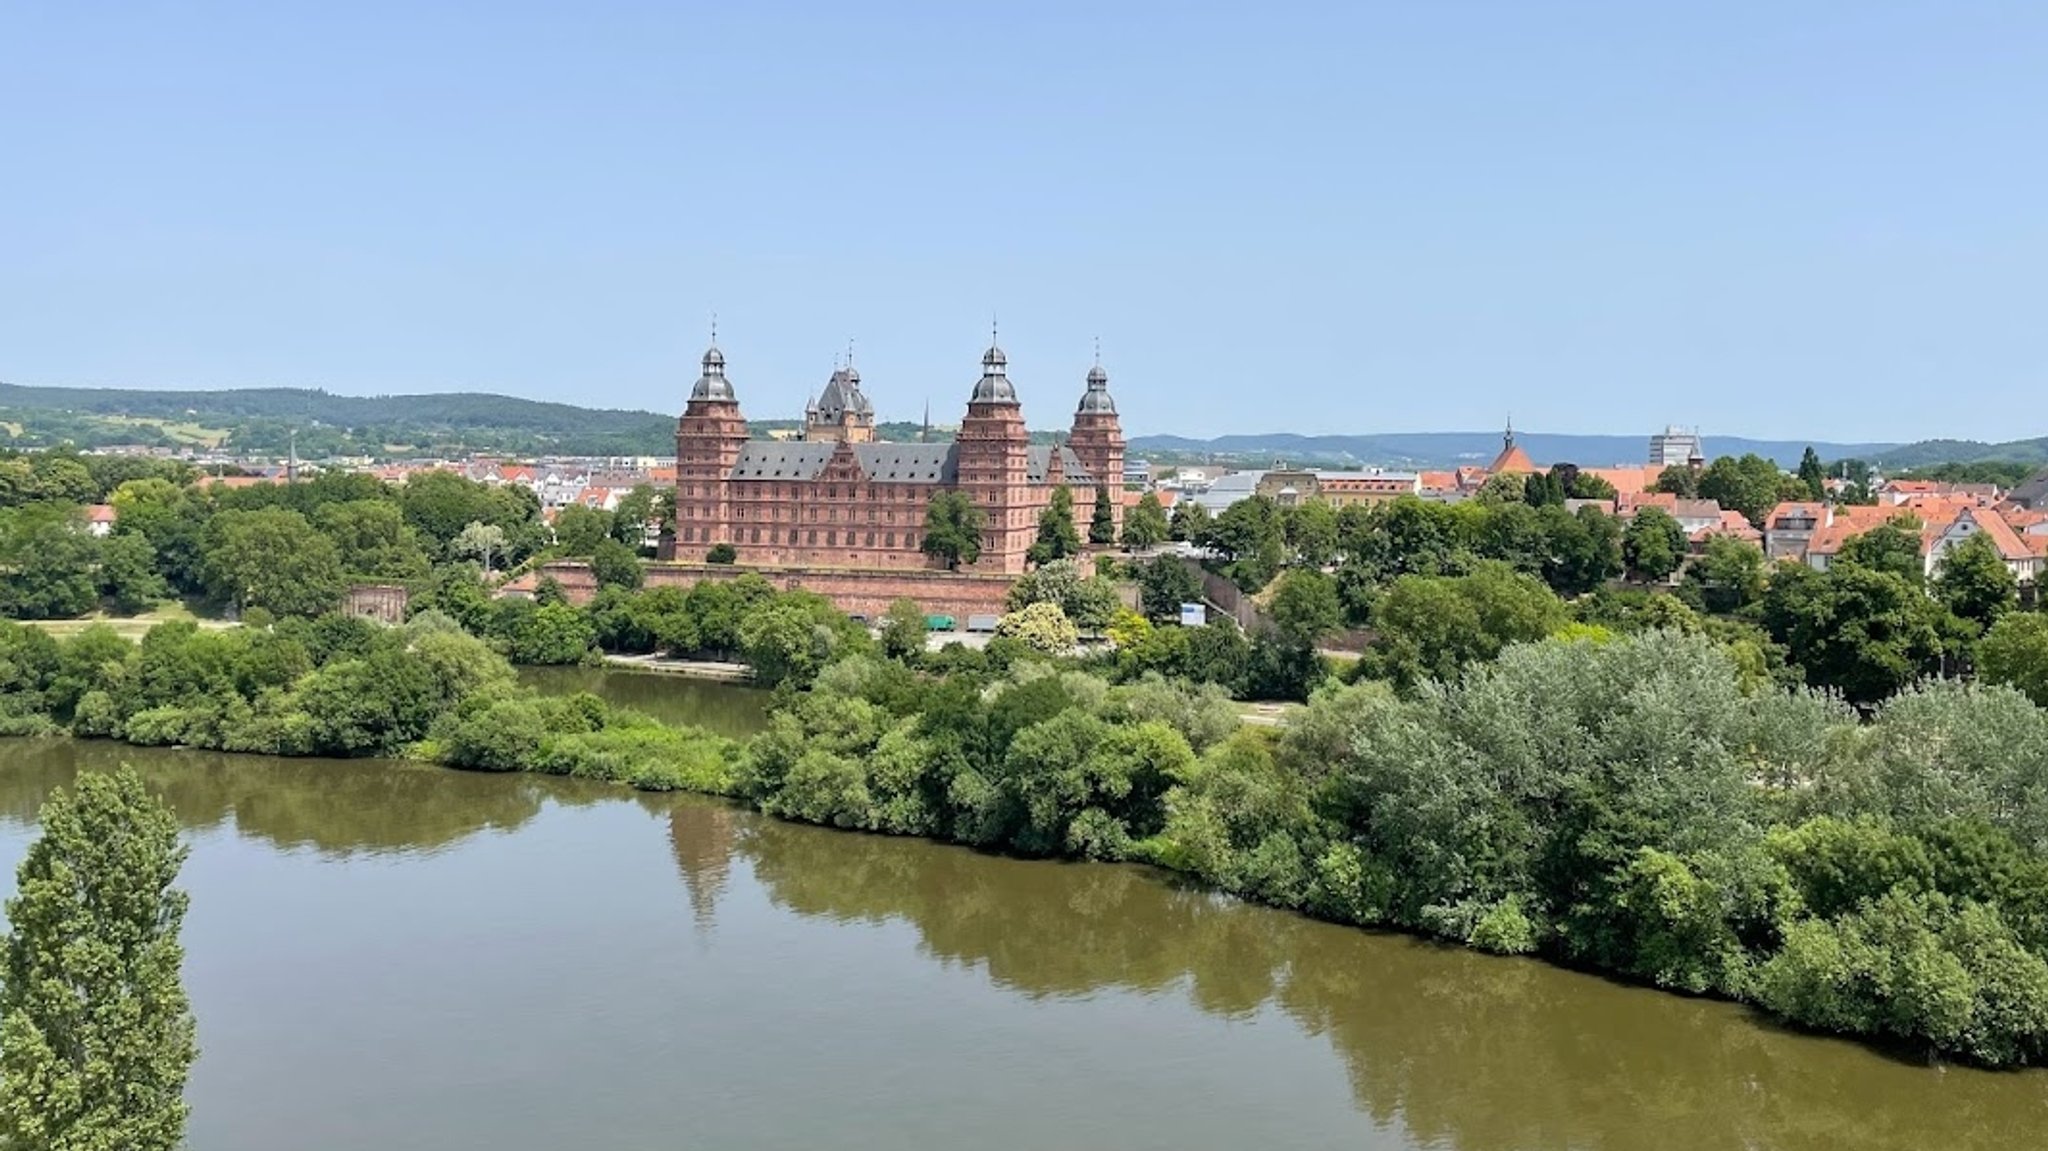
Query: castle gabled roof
793	461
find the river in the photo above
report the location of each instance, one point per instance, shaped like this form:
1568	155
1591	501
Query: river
393	955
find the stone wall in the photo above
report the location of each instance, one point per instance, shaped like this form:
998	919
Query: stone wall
868	593
384	603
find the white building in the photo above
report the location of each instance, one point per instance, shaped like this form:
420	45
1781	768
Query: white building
1675	447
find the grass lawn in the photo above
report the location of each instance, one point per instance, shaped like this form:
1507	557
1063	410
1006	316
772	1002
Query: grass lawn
1268	714
130	626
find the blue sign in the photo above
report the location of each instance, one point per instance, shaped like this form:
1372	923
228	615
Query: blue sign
1193	615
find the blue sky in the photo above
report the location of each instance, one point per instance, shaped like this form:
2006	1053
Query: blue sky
1826	220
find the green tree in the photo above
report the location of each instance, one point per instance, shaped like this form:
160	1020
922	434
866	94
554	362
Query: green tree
545	634
1041	626
1892	546
1812	474
47	563
1584	548
273	559
1058	538
1090	601
1310	529
1305	606
1165	583
614	564
1102	521
1653	545
2015	652
1251	535
579	529
128	575
1974	582
1751	485
442	504
1432	627
480	541
722	554
903	630
952	529
1145	524
1678	480
787	639
1727	576
1190	522
635	511
96	1035
1506	488
1864	632
374	540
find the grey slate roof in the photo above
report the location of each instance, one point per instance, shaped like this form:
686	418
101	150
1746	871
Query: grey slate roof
842	394
884	463
1039	460
802	461
909	463
781	460
2033	495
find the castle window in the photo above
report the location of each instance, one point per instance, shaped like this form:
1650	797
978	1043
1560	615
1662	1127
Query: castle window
890	540
831	539
871	539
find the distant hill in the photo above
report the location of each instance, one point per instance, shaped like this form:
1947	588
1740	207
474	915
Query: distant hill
1454	449
260	420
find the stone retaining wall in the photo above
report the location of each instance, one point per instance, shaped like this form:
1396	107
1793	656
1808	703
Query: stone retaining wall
868	593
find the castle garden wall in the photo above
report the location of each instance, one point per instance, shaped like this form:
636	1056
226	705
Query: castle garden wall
867	593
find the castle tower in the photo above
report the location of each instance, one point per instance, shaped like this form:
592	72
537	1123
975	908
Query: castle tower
1098	440
994	466
841	411
709	438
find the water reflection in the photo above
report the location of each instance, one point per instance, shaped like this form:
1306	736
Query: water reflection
336	807
729	709
1447	1048
1462	1050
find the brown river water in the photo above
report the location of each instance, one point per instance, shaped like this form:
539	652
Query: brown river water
389	955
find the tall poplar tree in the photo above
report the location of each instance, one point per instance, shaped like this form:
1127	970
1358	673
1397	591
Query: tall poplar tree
1102	523
96	1035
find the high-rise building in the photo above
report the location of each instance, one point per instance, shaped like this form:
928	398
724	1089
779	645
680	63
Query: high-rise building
1676	447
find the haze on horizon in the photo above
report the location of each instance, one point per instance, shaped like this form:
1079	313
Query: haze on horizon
1814	221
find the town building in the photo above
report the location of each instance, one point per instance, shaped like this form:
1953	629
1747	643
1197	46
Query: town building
1674	447
840	498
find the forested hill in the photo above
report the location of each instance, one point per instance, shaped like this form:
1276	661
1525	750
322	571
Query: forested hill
259	420
1453	449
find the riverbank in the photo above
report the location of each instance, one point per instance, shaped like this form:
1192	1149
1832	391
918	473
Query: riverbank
706	669
528	963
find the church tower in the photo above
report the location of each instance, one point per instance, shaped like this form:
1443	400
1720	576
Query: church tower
709	438
1098	441
994	451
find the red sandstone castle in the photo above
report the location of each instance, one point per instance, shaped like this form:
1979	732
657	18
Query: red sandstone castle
841	498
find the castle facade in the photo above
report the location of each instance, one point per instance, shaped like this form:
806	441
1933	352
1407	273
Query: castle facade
841	498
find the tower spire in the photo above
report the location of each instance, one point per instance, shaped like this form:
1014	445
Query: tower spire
714	329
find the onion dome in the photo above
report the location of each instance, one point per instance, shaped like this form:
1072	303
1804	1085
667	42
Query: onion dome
994	386
1096	398
713	385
